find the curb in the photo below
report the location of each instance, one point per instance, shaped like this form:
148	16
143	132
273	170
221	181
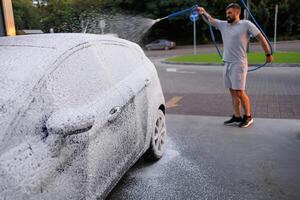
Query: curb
218	64
190	63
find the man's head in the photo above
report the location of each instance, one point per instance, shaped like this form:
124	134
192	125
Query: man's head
233	12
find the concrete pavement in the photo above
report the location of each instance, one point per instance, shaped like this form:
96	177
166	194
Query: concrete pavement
207	160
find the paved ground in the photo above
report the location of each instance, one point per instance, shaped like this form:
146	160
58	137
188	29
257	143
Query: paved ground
198	90
206	160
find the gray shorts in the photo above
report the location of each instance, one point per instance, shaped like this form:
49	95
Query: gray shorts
235	75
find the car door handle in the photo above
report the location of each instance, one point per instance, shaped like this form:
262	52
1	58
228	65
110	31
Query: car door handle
147	82
114	113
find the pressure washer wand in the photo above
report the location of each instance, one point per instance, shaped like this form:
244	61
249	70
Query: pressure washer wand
159	19
178	13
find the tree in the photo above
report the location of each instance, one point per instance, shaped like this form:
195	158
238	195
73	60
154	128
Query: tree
59	15
66	15
26	15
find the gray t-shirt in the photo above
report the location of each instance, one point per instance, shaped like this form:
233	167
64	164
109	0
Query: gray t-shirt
235	38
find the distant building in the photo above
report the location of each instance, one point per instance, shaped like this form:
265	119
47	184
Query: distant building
7	23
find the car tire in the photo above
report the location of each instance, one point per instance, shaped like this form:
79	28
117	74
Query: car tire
166	48
158	138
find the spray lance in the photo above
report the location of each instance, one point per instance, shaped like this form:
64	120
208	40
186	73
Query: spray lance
191	9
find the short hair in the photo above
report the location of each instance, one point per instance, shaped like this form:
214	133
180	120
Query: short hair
234	6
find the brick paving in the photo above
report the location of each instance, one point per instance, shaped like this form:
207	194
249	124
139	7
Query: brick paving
263	106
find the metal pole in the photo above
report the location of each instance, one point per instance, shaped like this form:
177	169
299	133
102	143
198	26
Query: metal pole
275	27
8	17
102	25
195	48
247	17
87	24
248	4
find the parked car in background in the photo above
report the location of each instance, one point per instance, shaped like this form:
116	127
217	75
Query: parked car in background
160	44
29	31
76	112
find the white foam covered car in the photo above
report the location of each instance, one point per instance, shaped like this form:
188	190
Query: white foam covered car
76	111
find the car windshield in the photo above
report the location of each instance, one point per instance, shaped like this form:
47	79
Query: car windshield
20	69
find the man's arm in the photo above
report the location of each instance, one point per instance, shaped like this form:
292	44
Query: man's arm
265	46
211	20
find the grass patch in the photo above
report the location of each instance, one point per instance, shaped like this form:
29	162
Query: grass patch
253	58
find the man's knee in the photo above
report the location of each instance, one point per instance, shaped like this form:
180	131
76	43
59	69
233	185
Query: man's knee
238	93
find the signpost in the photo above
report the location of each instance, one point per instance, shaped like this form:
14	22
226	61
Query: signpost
102	25
247	17
194	17
275	26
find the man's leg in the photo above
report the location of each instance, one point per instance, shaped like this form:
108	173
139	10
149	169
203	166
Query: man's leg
244	100
237	78
236	102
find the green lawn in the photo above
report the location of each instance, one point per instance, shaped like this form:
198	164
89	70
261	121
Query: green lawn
253	58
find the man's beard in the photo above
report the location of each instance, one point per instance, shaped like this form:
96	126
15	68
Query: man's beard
230	20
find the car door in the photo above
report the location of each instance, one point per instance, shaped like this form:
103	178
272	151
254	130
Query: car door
82	88
125	66
47	164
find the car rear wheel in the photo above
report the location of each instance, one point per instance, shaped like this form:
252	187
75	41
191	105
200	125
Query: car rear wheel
158	139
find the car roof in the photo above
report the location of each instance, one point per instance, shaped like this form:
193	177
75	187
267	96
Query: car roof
58	41
29	55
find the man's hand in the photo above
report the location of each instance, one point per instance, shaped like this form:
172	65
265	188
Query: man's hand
207	18
201	10
269	58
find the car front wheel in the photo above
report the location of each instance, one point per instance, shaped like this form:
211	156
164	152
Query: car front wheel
158	139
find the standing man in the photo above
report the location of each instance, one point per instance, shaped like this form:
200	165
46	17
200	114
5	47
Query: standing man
235	35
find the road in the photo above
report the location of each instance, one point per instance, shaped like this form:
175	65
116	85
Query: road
206	160
282	46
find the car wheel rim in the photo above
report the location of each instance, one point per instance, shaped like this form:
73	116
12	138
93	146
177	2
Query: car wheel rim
159	134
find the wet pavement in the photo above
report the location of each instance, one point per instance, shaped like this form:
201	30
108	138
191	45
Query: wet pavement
207	160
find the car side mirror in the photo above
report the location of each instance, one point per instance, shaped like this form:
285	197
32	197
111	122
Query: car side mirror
69	122
64	123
